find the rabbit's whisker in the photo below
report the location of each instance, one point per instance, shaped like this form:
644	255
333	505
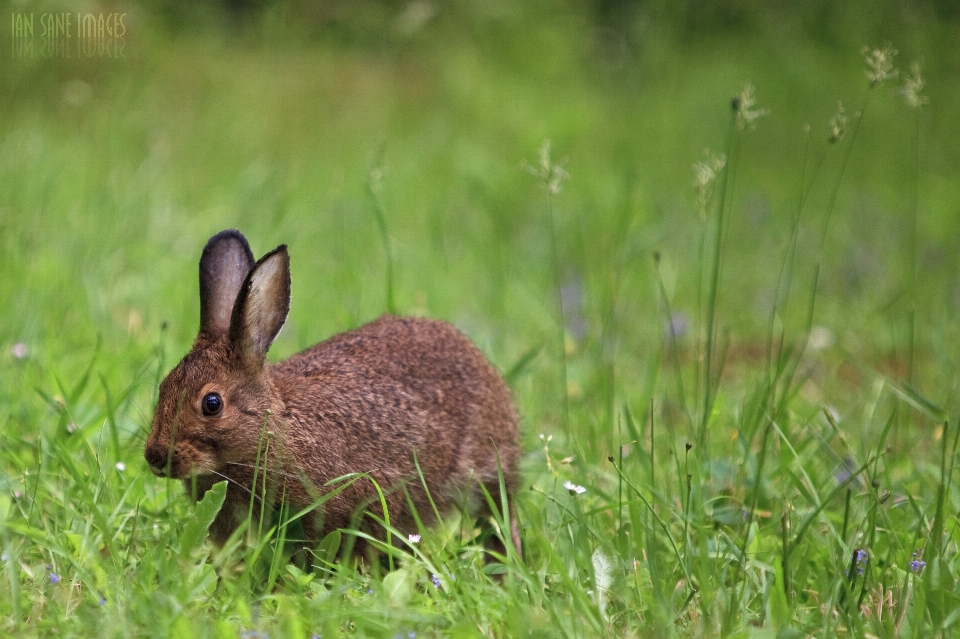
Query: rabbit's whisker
268	470
231	480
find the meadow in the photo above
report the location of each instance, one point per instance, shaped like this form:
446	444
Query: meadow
717	264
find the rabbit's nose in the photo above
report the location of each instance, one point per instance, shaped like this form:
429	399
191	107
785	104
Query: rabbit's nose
157	458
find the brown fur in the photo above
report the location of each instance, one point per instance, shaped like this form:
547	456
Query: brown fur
372	400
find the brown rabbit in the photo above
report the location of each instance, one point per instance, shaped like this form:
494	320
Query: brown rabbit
379	400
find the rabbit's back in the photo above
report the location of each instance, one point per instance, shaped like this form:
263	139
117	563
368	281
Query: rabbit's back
398	389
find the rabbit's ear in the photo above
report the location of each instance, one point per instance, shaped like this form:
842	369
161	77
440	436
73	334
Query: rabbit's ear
261	307
225	262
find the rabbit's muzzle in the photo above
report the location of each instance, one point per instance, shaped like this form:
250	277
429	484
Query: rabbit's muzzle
178	462
159	459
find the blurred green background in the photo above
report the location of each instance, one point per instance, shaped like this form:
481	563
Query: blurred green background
272	117
323	124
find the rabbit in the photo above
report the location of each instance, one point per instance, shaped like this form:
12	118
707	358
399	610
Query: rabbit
381	399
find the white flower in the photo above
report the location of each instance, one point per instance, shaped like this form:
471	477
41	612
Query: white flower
121	466
19	350
820	338
573	488
413	539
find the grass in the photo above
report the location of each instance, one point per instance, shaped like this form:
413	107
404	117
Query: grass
753	384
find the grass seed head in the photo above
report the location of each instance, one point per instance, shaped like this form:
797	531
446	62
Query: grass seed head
552	175
913	85
838	124
879	64
743	104
705	174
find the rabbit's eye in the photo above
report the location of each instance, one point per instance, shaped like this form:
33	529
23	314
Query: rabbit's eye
212	404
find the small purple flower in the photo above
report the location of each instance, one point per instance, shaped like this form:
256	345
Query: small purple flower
917	564
846	469
102	601
4	557
678	325
860	559
54	578
435	580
